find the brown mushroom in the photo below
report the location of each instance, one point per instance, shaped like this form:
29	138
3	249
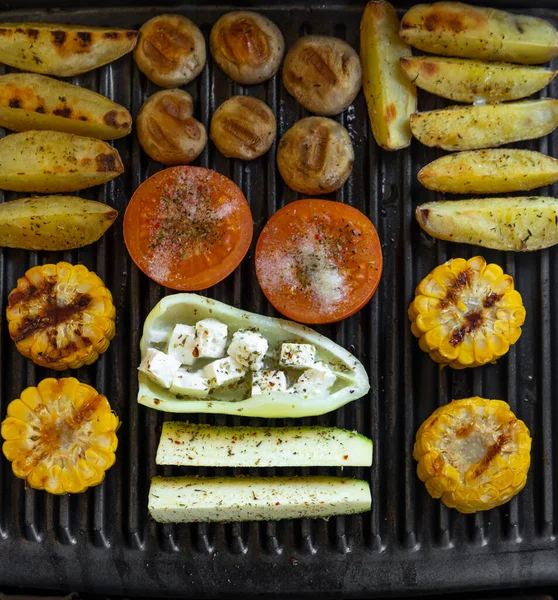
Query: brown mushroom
247	46
315	156
243	127
323	73
170	50
167	131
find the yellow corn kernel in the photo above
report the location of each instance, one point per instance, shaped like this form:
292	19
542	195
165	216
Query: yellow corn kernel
473	454
466	313
61	316
60	436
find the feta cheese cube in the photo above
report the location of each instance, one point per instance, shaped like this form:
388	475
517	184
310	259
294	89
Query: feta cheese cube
223	372
314	381
297	356
182	343
159	367
211	338
248	348
157	336
266	382
190	384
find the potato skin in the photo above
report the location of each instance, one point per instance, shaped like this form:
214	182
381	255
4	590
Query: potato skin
53	222
456	29
170	50
489	172
323	73
33	102
390	96
485	126
247	46
167	131
62	50
315	156
243	127
52	161
464	80
513	224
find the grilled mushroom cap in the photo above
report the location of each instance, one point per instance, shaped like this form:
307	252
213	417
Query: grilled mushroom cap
243	127
315	156
170	50
247	46
167	131
323	73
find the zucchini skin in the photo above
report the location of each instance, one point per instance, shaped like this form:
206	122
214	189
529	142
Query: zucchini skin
190	308
184	444
193	499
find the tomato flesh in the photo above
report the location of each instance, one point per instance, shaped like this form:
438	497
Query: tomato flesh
318	261
187	228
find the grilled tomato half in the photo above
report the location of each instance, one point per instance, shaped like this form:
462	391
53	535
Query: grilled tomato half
466	313
60	436
61	316
473	454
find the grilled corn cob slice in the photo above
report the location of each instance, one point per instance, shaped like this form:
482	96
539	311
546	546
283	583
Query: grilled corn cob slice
60	436
473	454
466	313
61	316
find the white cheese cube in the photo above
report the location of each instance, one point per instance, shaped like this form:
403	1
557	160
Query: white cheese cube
182	343
159	367
314	381
190	384
267	382
223	372
297	356
211	338
248	348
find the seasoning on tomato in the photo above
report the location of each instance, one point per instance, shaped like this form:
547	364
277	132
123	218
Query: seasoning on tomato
187	228
318	261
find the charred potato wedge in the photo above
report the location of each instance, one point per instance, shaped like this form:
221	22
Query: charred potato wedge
247	46
390	96
29	101
52	161
485	126
315	156
516	224
167	131
323	73
243	127
62	50
456	29
464	80
170	50
489	172
53	222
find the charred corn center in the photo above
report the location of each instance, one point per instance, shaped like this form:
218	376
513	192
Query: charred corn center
60	436
61	316
474	454
466	313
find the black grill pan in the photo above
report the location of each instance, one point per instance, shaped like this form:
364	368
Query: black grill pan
104	542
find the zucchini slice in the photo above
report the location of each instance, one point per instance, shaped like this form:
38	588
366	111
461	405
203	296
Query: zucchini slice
186	444
207	499
352	380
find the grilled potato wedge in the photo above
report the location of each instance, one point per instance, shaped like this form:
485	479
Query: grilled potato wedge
29	101
390	96
516	224
62	50
51	161
466	80
489	172
456	29
53	222
485	126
